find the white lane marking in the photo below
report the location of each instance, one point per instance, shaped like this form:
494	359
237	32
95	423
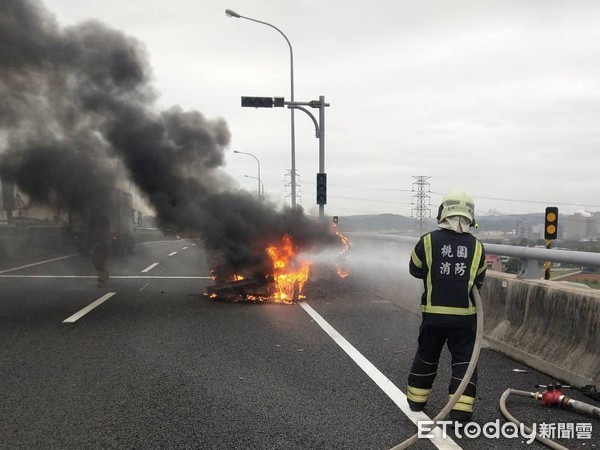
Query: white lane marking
183	248
121	277
150	267
78	315
144	286
171	254
36	264
384	383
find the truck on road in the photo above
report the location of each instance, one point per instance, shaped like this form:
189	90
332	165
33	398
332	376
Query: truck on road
122	225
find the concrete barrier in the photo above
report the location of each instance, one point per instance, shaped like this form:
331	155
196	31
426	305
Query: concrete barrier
148	235
26	241
547	325
33	240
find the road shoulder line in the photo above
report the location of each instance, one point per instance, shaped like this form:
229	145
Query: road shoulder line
37	263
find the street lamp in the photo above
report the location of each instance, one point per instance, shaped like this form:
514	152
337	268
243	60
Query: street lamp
230	13
261	184
257	162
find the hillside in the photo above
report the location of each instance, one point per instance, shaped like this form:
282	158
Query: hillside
406	225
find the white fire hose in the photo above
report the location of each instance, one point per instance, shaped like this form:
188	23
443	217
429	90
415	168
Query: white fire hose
511	418
466	379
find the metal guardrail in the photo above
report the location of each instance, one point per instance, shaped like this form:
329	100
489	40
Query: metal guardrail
529	255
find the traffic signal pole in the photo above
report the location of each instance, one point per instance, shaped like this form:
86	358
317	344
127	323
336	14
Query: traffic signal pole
320	134
270	102
550	233
548	264
322	147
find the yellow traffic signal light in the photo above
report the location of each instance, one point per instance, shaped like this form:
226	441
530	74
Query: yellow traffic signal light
551	223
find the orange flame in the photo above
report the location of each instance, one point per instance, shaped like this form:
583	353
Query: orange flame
341	271
289	274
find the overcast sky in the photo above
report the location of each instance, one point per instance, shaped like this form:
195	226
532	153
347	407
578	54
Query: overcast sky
501	98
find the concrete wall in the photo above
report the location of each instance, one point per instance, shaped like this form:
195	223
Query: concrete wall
149	235
548	325
29	241
36	241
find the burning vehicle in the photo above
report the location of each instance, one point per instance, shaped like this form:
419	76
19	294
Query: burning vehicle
280	280
282	284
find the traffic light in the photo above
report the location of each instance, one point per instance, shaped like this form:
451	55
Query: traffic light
321	189
551	223
278	102
257	102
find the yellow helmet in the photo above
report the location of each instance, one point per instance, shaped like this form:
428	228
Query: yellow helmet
457	203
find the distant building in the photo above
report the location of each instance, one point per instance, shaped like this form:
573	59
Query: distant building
581	225
16	205
493	262
527	229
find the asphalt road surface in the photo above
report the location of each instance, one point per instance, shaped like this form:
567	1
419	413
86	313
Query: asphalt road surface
147	361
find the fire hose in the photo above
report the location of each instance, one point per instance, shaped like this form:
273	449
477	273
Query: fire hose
466	379
552	396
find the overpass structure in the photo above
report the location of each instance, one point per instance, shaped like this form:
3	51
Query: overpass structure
551	326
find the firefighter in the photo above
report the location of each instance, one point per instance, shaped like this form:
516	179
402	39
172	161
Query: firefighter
450	261
100	247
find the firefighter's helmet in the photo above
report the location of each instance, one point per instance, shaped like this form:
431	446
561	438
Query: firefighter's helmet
457	203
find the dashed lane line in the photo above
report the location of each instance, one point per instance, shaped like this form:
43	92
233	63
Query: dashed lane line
78	315
384	383
150	267
173	253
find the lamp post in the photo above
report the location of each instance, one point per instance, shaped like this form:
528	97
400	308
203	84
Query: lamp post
230	13
258	163
261	185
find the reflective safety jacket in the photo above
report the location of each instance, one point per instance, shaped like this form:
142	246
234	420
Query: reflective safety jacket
449	264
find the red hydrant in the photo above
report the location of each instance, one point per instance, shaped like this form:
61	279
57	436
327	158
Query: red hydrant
554	396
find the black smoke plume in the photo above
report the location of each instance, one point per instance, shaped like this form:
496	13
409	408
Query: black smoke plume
77	109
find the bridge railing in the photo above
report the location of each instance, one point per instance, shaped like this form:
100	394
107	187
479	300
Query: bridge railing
529	255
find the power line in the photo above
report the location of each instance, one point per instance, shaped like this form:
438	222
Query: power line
369	200
362	187
361	211
535	202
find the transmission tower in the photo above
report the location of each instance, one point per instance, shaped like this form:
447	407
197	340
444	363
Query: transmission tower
422	201
288	176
